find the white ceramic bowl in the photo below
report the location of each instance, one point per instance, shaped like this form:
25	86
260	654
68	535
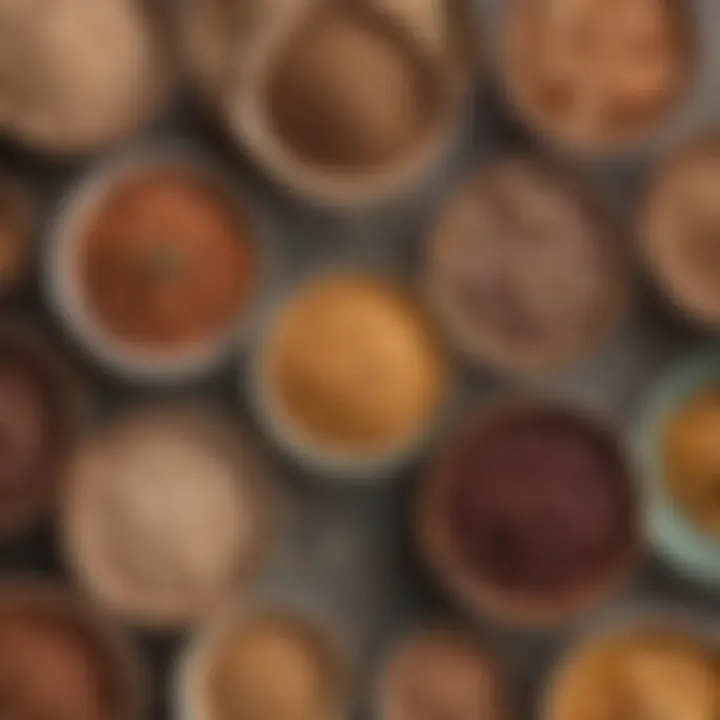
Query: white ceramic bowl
186	691
332	465
64	288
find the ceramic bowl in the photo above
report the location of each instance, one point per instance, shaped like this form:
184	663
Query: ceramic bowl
245	112
664	618
483	598
317	458
125	663
64	289
188	700
671	532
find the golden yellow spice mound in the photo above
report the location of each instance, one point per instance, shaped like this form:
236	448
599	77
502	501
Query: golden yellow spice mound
648	674
692	458
274	668
354	366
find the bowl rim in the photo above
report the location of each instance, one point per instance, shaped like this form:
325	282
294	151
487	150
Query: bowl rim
483	598
59	267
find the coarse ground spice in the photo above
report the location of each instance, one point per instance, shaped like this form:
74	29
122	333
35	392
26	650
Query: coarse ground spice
540	502
166	259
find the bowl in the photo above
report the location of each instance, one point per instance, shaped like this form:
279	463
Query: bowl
659	620
363	458
671	532
258	110
188	691
169	511
530	600
124	678
130	359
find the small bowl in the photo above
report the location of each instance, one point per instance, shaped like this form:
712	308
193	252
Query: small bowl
248	117
669	121
661	248
90	556
18	233
484	598
453	636
665	619
327	462
493	341
125	665
188	678
64	289
64	392
146	96
672	534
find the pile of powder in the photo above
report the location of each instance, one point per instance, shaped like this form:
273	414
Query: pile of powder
521	268
77	73
442	674
354	366
162	517
274	667
49	669
350	91
540	502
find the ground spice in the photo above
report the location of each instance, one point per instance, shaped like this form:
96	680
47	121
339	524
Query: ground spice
350	91
440	673
692	458
167	260
354	366
540	502
52	667
275	668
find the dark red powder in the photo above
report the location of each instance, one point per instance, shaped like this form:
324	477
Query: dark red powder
540	500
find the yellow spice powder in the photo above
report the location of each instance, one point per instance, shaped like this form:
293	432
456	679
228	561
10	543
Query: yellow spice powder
692	458
354	366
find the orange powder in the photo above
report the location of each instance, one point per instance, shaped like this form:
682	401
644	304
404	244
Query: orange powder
166	260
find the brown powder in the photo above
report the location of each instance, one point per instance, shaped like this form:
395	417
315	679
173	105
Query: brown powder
167	262
350	90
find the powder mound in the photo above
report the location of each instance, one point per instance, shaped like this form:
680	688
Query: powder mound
348	92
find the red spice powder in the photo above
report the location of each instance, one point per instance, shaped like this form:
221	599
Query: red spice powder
167	260
540	502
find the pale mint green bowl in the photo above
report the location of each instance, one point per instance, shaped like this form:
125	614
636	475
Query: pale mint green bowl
671	533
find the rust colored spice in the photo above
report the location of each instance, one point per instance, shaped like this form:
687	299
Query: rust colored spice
540	501
167	262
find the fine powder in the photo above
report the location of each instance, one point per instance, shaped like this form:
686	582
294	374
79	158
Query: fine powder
163	515
349	92
273	668
75	73
354	366
540	501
